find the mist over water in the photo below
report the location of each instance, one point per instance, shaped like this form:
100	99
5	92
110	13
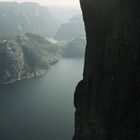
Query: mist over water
41	108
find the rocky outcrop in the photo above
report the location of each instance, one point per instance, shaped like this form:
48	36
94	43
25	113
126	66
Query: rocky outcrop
107	100
26	56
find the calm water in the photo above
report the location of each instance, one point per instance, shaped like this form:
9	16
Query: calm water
41	108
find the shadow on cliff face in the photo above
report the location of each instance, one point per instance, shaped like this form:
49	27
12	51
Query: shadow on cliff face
107	100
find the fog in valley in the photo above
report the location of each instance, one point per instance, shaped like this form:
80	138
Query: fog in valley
42	48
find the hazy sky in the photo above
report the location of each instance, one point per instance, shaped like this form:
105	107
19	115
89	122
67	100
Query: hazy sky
51	2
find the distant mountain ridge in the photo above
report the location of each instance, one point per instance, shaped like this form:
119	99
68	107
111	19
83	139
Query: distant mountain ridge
62	14
72	29
17	18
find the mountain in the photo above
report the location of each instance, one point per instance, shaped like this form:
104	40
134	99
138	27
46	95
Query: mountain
75	48
74	28
17	18
26	56
62	14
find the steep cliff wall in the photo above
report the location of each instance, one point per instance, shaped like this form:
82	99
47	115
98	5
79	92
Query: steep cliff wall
107	100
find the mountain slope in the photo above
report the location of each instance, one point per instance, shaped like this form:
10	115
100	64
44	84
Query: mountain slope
17	18
75	48
74	28
65	12
25	56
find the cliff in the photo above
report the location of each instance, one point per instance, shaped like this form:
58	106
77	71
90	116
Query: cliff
26	56
107	100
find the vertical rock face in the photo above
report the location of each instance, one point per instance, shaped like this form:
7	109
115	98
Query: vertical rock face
107	100
11	61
